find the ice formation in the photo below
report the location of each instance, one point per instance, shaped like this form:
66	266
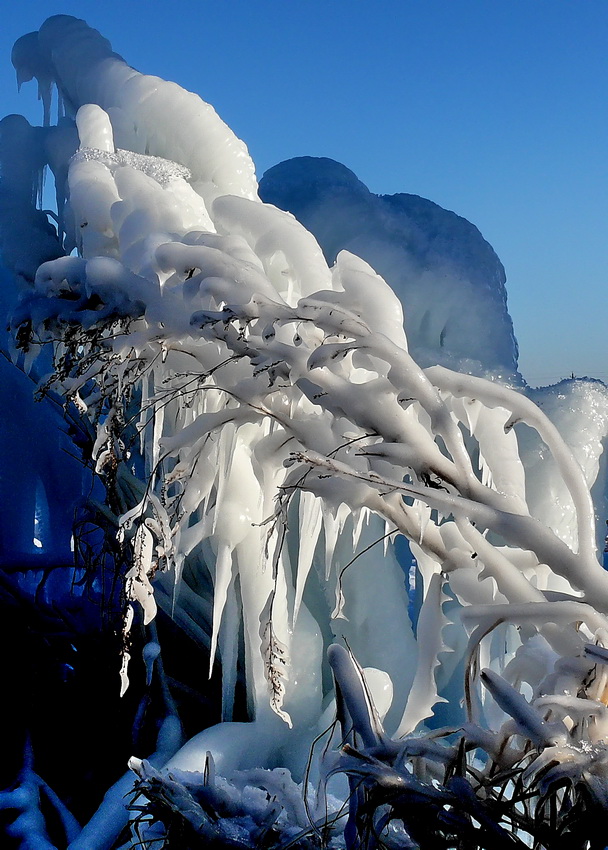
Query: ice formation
264	436
452	288
436	261
40	487
579	409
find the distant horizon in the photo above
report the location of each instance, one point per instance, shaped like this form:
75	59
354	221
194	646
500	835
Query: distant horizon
496	113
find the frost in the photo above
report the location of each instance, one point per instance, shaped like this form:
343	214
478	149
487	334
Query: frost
162	171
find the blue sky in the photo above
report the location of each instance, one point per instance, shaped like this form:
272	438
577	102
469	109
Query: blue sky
495	109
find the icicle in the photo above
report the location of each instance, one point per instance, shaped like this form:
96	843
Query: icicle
310	522
228	646
150	653
333	523
94	128
360	517
423	693
389	529
221	582
486	471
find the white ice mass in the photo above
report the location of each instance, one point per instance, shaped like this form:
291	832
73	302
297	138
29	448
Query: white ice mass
275	457
448	278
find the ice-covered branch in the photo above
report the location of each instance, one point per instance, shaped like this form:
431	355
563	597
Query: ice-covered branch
524	410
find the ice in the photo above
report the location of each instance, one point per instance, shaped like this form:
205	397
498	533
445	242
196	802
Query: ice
246	385
39	487
436	262
579	409
163	119
433	259
162	171
94	128
26	236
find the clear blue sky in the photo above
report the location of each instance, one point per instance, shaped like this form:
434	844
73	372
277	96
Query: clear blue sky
495	109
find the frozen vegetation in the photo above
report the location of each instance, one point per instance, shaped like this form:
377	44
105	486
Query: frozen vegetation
344	581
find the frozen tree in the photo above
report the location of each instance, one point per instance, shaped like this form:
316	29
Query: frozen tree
265	440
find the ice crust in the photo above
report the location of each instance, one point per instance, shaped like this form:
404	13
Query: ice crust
162	171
